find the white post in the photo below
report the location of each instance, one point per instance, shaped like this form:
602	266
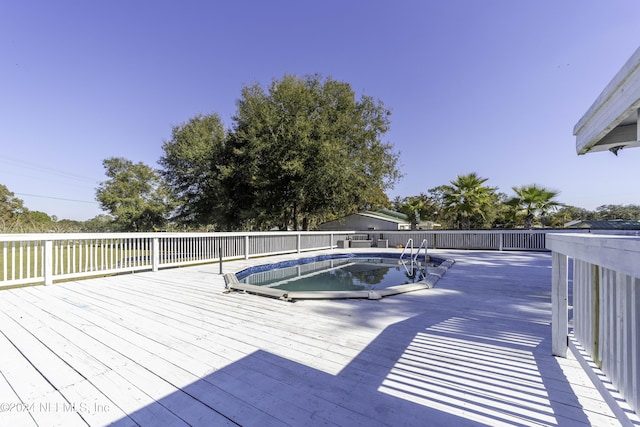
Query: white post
155	254
559	304
246	247
48	262
634	301
298	242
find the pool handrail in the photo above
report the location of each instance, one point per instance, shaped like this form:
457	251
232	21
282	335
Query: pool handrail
424	245
404	249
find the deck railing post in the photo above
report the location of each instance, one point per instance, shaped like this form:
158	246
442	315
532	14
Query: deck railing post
155	254
246	246
559	304
48	262
298	242
501	240
220	255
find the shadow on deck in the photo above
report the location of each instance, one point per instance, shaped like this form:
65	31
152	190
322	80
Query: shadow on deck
448	371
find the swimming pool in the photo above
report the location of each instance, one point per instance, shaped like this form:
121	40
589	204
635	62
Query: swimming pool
345	275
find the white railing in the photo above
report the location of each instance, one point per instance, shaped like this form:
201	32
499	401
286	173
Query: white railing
520	240
43	258
606	304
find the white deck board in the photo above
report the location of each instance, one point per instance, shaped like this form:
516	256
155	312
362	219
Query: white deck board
171	348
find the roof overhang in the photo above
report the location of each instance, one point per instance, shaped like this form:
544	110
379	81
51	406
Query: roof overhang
382	218
611	123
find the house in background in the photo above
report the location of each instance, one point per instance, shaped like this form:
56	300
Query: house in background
383	219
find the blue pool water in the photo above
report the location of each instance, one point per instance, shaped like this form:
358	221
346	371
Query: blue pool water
343	272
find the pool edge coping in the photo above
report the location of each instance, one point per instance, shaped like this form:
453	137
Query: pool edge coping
233	284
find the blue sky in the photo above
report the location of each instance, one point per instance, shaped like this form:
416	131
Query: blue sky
492	86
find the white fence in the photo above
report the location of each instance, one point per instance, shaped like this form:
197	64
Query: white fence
520	240
606	304
43	258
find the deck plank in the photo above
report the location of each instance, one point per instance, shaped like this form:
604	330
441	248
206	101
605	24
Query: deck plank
34	392
171	348
154	366
10	413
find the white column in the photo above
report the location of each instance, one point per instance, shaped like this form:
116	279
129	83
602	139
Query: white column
48	262
155	254
559	304
634	298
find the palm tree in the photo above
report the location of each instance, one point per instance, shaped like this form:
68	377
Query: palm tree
534	202
414	208
467	200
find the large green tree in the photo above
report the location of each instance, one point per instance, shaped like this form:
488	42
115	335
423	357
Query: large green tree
134	194
193	164
533	202
306	150
468	203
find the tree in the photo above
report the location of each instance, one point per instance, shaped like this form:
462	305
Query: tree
193	166
37	222
533	202
566	214
468	202
67	226
504	216
307	149
134	194
416	208
436	203
100	224
11	210
611	212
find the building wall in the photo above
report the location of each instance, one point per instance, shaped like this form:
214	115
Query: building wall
360	222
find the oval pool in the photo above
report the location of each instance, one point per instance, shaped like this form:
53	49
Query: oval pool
345	275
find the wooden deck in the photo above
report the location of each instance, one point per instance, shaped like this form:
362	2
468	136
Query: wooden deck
170	348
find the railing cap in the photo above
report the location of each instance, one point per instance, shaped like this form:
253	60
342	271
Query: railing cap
615	252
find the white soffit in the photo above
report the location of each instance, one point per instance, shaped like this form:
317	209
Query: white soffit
612	121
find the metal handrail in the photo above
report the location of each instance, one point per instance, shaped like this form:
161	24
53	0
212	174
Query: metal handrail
424	245
409	244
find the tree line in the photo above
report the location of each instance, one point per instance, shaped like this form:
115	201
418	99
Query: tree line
16	218
445	205
299	152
